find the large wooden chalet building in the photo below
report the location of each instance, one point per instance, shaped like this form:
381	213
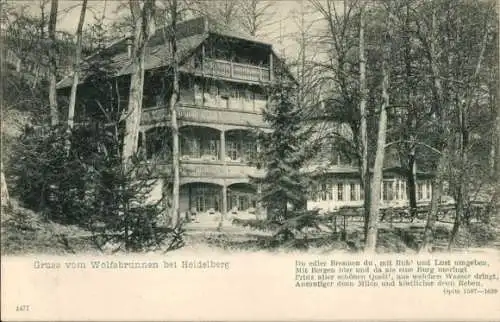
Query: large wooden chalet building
224	75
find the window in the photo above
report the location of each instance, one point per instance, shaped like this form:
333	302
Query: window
248	102
250	149
198	94
420	191
233	150
213	148
340	191
193	147
329	193
323	192
387	191
326	192
313	193
429	190
260	102
353	191
206	198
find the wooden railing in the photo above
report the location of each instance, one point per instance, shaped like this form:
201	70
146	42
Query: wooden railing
205	115
226	69
212	170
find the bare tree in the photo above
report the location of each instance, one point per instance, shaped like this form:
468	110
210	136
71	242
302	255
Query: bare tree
376	181
363	133
54	113
4	191
455	71
76	65
352	91
226	12
255	15
142	19
173	11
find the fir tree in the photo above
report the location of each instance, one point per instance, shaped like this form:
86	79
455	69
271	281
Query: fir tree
284	150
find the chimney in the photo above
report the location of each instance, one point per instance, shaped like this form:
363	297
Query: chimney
129	48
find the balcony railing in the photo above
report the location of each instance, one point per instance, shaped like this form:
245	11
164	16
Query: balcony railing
212	170
204	115
226	69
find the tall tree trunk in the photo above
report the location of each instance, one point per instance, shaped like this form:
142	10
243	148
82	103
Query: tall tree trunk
54	113
364	172
439	109
464	107
412	182
376	182
411	121
173	110
437	191
76	66
142	19
4	189
496	197
461	194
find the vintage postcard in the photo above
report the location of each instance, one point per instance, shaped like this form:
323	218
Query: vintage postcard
250	160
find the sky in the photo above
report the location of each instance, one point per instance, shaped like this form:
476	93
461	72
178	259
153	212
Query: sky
279	33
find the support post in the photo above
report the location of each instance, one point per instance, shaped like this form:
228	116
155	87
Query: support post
394	191
224	200
271	67
203	59
260	210
222	146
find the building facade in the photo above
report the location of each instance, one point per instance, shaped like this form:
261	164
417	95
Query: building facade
224	80
340	187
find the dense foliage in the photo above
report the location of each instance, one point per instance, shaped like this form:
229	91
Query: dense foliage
89	187
283	153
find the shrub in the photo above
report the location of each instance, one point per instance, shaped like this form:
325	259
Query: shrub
88	185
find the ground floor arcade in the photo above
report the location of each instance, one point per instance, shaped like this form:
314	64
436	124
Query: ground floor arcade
203	198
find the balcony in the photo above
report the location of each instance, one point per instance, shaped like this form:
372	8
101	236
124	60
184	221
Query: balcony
217	170
203	115
231	70
211	169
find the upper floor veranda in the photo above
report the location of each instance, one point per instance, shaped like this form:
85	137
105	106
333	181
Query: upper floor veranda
220	104
205	49
224	77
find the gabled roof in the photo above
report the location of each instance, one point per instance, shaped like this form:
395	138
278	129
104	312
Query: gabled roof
220	29
190	33
156	56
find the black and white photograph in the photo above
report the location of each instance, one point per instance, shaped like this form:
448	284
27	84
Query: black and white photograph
135	128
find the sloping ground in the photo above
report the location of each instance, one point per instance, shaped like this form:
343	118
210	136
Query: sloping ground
25	232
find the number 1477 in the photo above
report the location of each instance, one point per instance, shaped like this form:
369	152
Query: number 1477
22	308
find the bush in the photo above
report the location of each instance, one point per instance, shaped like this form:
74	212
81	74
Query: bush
481	234
285	230
44	178
89	186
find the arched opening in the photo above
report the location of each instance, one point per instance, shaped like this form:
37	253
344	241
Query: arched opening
199	143
241	146
201	198
241	197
